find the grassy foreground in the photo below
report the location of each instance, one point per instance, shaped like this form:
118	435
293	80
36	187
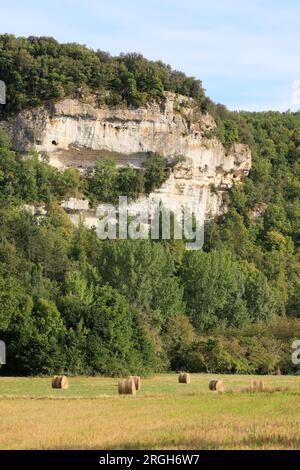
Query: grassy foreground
164	414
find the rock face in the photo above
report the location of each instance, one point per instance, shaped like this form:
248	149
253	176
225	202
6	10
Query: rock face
78	133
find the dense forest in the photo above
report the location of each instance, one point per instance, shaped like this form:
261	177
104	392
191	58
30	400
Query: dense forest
71	302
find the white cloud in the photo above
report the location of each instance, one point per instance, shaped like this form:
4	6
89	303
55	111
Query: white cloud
234	47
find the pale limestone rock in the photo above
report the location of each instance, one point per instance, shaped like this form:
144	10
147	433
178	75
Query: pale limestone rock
39	211
77	133
75	205
257	211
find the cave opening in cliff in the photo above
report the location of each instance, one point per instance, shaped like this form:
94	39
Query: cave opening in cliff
54	142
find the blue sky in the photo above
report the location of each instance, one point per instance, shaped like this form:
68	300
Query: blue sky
245	52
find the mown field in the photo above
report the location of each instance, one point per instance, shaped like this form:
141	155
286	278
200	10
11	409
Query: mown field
163	415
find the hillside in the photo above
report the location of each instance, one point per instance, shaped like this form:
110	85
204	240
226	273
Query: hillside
69	301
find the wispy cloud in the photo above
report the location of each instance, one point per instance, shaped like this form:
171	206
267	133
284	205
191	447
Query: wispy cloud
246	53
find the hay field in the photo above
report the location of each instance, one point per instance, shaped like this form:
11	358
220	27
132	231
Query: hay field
163	415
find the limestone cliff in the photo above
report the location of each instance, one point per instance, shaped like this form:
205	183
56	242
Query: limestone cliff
77	133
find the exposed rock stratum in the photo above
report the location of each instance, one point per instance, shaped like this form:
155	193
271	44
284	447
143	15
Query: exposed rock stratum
77	133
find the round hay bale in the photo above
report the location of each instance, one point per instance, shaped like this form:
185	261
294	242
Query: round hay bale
127	387
60	381
64	382
212	385
253	386
261	386
130	387
216	386
184	378
121	387
137	381
54	382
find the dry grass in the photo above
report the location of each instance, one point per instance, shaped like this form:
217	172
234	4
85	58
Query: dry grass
265	389
165	415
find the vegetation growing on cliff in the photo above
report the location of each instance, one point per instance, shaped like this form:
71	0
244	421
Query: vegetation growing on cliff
106	182
39	69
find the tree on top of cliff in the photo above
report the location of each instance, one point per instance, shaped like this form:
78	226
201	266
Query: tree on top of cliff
37	69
